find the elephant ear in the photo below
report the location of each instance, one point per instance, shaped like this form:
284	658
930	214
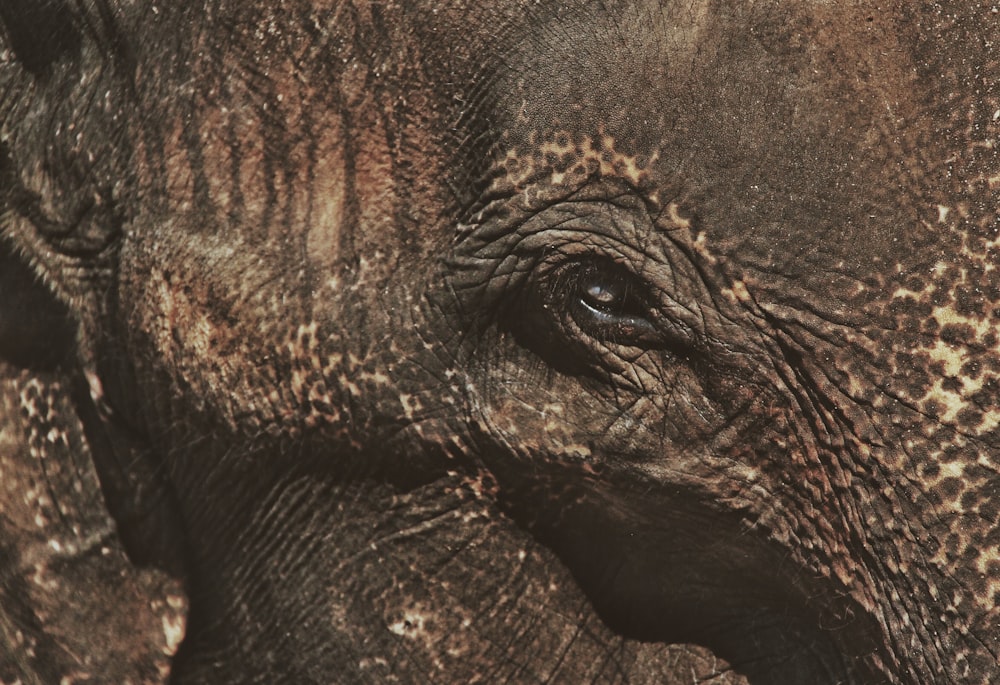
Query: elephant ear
74	606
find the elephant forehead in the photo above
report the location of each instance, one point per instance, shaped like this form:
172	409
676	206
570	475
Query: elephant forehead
780	124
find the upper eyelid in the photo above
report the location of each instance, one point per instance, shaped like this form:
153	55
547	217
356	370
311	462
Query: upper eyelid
617	270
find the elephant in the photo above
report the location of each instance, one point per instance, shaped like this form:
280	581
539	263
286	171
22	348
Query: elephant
646	341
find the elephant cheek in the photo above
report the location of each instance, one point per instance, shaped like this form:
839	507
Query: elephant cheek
202	316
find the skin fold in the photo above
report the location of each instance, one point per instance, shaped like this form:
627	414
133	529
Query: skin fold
443	341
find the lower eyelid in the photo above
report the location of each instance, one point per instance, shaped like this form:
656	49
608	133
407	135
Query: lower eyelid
599	314
619	322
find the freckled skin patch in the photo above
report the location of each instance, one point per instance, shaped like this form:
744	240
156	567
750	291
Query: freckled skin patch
70	565
327	274
568	160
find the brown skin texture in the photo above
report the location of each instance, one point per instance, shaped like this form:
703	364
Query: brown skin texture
519	342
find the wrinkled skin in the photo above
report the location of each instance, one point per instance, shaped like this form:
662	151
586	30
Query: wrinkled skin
512	341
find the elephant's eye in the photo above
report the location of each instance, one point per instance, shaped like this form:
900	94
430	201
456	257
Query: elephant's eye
582	312
609	304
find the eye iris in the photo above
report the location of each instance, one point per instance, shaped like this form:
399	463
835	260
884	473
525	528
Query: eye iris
607	296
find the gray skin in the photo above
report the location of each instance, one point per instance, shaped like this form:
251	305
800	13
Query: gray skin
499	341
